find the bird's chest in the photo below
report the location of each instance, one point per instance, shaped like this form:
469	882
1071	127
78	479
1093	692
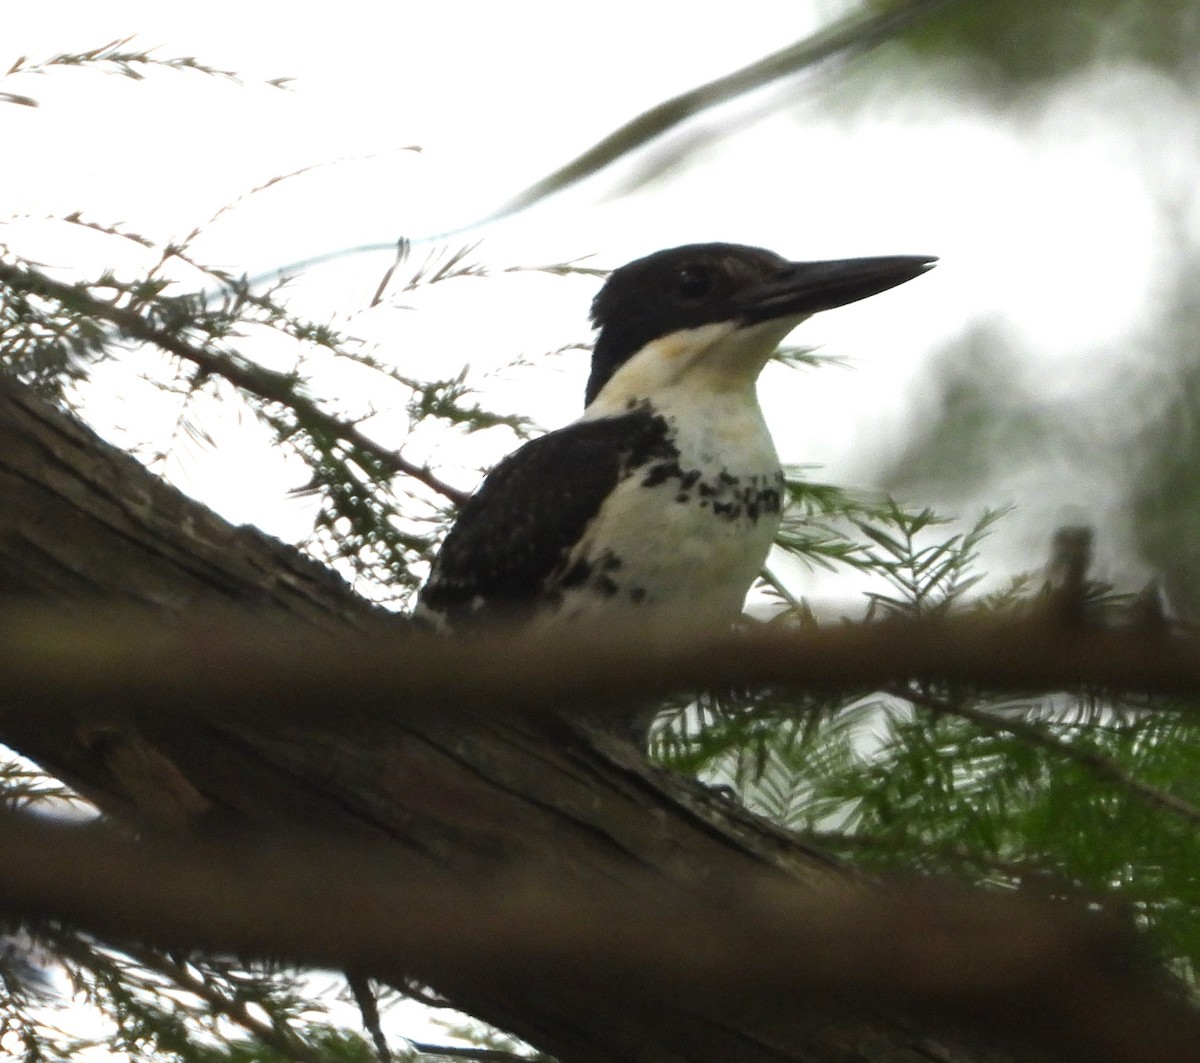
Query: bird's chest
690	526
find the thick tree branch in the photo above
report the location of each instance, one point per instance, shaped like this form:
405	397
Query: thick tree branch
255	666
537	872
1032	970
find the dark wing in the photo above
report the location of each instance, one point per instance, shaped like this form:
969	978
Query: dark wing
514	535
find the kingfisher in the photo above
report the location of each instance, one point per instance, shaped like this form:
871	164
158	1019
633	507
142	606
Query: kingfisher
667	490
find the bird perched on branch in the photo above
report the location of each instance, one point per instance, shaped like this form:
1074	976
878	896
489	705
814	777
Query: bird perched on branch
667	490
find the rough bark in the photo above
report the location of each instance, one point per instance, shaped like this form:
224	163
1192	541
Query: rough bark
476	800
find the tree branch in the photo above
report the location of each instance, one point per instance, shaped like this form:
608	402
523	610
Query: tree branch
1034	970
266	384
280	1039
224	666
461	828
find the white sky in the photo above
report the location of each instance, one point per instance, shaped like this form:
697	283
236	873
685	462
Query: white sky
1045	216
1056	218
1051	217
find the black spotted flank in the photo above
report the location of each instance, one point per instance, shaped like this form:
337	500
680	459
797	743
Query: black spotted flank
584	570
509	553
725	494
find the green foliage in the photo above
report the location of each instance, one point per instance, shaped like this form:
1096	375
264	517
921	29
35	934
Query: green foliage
46	350
1071	794
378	513
378	518
156	1005
952	795
1018	42
1160	468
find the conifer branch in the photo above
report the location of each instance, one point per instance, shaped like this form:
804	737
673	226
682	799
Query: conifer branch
266	384
285	1042
1100	764
125	61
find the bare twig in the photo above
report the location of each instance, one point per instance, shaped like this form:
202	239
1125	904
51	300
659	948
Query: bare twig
368	1008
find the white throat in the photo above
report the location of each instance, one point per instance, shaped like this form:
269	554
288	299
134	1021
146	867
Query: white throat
693	366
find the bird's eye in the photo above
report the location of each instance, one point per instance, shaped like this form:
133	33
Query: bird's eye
693	282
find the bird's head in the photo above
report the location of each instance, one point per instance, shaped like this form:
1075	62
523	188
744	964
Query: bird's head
719	310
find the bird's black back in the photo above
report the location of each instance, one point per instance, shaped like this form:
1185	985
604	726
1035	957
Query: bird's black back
507	553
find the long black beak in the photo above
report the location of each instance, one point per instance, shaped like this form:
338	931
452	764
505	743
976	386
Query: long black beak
809	287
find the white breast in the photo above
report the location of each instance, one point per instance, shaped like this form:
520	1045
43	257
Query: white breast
697	538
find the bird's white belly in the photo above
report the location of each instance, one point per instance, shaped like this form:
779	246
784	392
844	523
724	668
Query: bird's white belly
689	556
695	538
